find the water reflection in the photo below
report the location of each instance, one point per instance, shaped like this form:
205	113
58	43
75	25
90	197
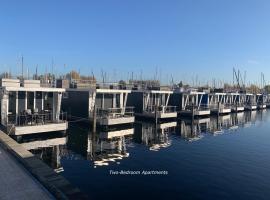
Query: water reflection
108	147
154	136
48	147
193	130
185	148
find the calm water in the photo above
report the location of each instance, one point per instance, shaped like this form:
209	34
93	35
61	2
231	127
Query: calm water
214	158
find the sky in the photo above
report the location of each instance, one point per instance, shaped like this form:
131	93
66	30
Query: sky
176	40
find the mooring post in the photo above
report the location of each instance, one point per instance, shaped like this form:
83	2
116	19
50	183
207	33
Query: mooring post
94	127
218	108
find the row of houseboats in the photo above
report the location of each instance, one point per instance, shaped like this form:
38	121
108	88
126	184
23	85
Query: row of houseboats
27	107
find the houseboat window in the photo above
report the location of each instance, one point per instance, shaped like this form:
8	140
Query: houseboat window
65	95
48	101
30	101
21	101
117	100
39	101
21	95
12	103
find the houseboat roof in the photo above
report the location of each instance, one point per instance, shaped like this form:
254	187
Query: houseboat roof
33	89
154	91
190	92
108	91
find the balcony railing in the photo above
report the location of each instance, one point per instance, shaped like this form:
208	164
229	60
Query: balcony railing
201	107
115	112
220	106
35	119
161	109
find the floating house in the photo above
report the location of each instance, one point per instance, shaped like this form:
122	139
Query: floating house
152	104
237	101
261	101
251	103
28	108
219	103
268	100
191	103
107	106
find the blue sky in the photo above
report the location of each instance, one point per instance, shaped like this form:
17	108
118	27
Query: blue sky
179	38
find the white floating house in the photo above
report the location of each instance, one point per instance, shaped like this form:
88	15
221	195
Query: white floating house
152	104
219	103
237	101
261	101
251	103
268	100
108	147
191	103
28	108
108	104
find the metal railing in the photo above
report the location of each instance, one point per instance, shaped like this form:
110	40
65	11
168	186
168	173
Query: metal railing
161	109
36	119
115	112
201	107
220	106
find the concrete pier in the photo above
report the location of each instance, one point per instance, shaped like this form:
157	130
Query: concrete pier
21	169
16	182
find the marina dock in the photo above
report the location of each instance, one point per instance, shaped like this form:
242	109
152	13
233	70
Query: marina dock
32	178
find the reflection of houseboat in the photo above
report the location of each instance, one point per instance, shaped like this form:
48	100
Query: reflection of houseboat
219	124
155	136
109	105
237	119
191	130
152	104
108	147
49	149
191	103
28	108
219	103
229	122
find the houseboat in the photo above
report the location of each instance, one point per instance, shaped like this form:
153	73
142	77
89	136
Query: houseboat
268	100
219	103
250	103
261	101
28	108
237	101
152	104
191	103
105	105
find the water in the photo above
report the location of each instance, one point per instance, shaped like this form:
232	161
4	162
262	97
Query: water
214	158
